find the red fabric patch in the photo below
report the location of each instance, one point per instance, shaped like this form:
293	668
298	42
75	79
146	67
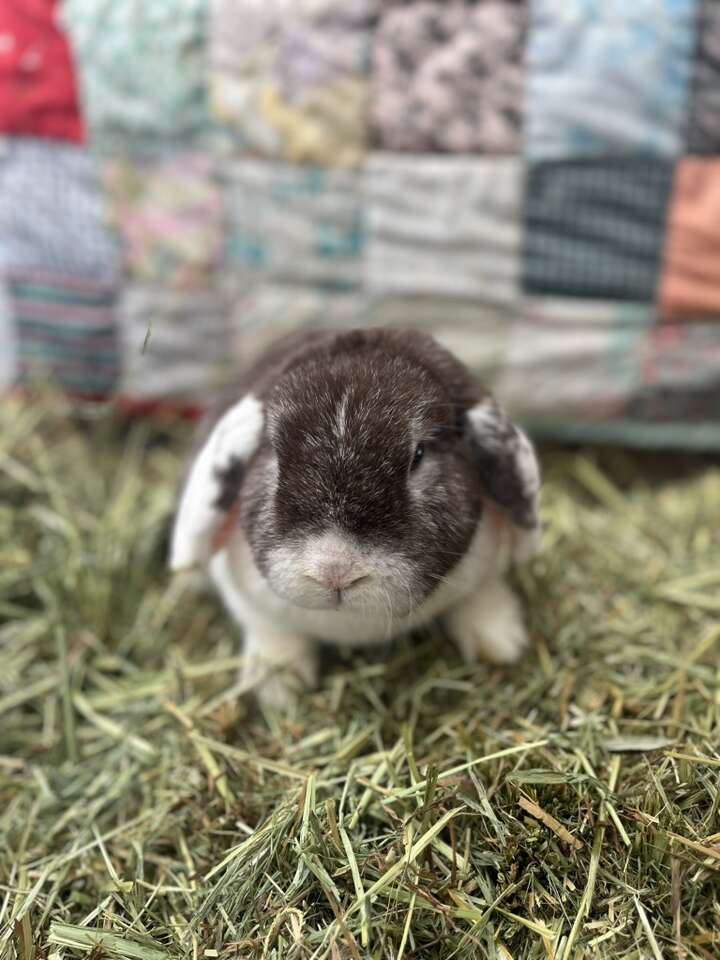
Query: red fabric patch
38	95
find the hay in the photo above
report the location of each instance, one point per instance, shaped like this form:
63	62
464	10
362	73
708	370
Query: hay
413	806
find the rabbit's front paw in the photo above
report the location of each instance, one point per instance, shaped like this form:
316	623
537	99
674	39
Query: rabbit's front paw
489	625
278	666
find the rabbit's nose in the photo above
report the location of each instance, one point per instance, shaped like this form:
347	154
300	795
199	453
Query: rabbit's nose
334	575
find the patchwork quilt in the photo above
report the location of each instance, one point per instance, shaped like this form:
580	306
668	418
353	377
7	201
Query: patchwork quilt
536	182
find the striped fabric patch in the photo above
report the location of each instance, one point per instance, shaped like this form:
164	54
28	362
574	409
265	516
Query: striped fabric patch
66	332
579	355
444	227
175	343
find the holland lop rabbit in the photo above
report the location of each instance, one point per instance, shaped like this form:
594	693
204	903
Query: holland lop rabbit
358	485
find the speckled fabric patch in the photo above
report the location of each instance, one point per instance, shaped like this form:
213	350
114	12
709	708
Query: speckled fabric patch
448	76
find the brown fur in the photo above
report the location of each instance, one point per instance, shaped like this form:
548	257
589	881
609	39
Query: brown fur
397	388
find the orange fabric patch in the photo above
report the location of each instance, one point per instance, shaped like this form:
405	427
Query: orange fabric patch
690	282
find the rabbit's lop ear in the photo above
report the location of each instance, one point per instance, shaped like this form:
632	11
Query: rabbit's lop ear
510	472
232	442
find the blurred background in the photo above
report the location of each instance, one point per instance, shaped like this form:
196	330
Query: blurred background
537	183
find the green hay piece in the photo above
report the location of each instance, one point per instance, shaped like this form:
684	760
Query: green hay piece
413	806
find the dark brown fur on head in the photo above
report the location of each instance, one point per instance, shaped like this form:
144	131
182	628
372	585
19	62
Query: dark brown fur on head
344	414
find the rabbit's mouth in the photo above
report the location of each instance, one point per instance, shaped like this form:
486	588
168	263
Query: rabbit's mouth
333	571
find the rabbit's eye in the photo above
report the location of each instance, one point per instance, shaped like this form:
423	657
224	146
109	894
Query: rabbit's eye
417	456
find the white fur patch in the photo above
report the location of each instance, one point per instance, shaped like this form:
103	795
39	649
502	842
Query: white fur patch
235	437
492	428
498	435
489	625
297	571
527	464
274	653
485	418
341	418
374	612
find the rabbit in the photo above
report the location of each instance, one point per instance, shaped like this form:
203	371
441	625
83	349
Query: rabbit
357	485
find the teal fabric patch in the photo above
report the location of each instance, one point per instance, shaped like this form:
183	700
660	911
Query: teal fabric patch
142	68
296	225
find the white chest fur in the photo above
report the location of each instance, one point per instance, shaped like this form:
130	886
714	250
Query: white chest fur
248	596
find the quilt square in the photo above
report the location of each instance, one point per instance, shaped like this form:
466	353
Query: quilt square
289	78
52	212
66	332
448	76
37	78
703	116
175	343
680	388
142	68
682	356
168	211
595	228
690	282
608	77
573	359
444	227
296	225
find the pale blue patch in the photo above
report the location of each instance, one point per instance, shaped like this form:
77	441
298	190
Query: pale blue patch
608	77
